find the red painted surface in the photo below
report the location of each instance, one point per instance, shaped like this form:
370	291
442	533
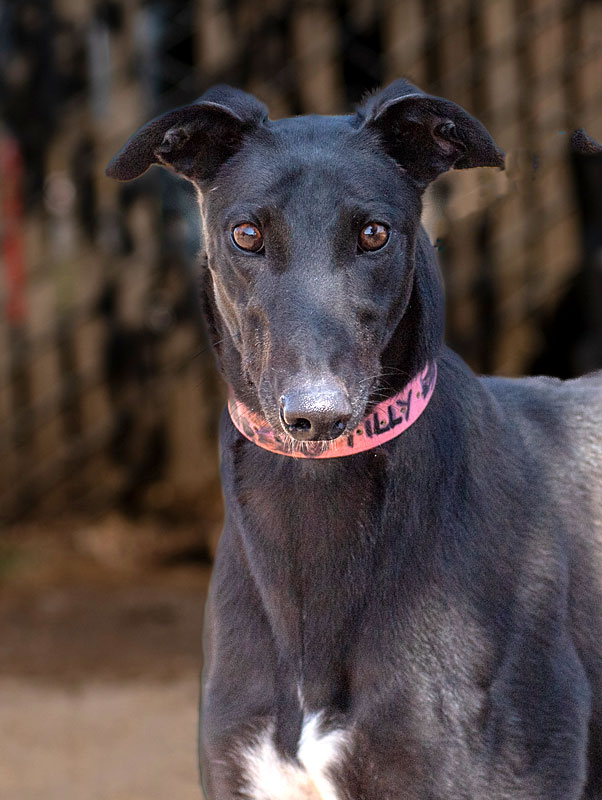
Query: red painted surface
12	230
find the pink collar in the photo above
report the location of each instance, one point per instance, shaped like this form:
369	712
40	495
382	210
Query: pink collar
386	421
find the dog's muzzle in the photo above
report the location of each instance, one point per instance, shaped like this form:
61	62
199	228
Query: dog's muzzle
315	414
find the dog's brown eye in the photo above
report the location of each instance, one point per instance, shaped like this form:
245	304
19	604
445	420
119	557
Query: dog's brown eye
248	237
373	236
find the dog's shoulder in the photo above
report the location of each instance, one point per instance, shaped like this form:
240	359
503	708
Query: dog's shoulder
565	404
560	422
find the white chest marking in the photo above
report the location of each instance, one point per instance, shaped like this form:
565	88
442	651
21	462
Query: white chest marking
270	777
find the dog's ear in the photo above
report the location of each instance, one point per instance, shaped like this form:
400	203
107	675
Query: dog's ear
428	135
584	145
194	140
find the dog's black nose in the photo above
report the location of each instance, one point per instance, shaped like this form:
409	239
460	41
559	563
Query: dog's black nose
317	414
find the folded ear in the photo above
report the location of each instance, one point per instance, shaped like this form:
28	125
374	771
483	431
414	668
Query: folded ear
194	140
428	135
584	144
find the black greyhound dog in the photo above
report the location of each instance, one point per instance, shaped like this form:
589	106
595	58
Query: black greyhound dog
407	597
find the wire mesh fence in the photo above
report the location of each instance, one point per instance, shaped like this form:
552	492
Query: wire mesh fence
107	390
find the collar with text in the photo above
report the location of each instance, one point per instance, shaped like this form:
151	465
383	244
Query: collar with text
384	422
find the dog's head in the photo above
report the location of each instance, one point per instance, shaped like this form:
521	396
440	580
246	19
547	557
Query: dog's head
321	289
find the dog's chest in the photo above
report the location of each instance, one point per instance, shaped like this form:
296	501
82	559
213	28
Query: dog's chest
309	540
268	775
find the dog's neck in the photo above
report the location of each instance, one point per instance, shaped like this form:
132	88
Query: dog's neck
318	534
386	421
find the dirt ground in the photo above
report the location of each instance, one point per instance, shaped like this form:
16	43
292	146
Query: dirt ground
100	655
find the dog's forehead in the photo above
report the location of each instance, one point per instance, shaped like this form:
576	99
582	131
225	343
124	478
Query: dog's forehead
328	156
314	127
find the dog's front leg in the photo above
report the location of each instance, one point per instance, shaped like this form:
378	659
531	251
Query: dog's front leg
250	719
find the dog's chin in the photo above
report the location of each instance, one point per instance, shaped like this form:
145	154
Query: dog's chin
282	431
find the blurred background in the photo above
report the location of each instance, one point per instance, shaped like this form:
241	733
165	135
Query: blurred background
110	503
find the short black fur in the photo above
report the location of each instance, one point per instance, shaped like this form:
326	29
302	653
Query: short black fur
438	599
